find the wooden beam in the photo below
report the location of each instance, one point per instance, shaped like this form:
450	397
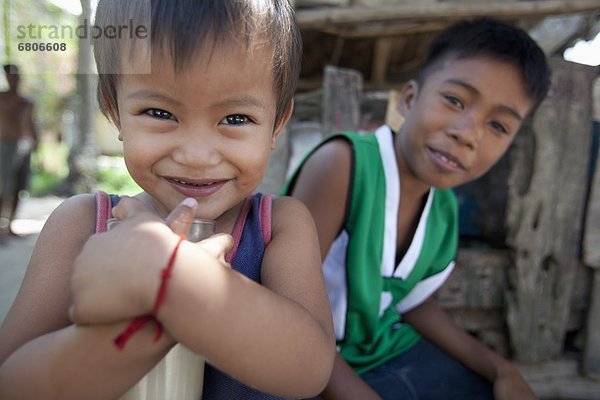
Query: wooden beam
375	30
321	18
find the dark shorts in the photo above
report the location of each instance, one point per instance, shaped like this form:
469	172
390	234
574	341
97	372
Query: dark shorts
425	372
14	168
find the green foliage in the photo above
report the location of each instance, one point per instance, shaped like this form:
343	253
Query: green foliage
116	179
48	168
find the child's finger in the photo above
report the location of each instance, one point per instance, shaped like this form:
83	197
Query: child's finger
180	219
218	245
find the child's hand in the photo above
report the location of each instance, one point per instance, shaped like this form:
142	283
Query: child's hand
116	272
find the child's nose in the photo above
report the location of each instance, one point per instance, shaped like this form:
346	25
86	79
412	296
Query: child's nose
197	149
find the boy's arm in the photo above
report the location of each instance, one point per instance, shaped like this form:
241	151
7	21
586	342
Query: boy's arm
323	186
430	320
40	349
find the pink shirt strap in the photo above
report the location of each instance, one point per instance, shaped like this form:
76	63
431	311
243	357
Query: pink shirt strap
238	228
265	209
103	211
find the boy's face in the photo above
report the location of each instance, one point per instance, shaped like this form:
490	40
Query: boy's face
461	121
205	132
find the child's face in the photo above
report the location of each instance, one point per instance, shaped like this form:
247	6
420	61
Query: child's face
461	121
205	132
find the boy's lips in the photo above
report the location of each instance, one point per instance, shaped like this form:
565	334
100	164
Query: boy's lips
445	161
196	187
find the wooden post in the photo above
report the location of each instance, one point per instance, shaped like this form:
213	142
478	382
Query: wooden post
591	258
545	211
342	92
381	59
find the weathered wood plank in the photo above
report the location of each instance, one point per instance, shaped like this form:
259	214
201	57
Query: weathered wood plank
591	239
342	92
545	209
560	379
478	280
555	32
591	353
325	17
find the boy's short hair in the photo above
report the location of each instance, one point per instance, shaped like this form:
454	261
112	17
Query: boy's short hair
180	28
496	39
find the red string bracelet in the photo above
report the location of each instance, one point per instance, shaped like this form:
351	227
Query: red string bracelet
139	322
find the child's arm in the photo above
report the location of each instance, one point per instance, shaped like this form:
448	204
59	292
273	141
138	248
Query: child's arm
41	354
436	325
323	186
276	337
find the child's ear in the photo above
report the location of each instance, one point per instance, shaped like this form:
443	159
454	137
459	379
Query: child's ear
408	95
111	111
281	124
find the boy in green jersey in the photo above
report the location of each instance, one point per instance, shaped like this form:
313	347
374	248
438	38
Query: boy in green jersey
387	218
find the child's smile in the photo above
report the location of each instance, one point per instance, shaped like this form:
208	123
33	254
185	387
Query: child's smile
195	187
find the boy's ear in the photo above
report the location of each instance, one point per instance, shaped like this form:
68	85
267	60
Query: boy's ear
282	123
408	95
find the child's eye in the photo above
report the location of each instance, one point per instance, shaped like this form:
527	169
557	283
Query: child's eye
455	101
498	127
235	119
159	114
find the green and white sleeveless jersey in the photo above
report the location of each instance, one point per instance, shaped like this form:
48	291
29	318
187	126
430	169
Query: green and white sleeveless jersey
367	290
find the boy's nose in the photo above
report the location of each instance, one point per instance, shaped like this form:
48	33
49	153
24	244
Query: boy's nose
465	132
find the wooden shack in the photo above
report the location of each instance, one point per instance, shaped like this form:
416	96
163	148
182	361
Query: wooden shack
527	281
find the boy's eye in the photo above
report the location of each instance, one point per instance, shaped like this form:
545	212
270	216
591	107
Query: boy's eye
235	119
455	101
159	114
498	127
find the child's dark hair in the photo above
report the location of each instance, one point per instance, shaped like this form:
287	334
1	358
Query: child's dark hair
496	39
180	28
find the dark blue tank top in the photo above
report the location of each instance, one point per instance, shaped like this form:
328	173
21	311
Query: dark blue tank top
247	260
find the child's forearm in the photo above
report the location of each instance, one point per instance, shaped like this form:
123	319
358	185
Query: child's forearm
245	329
79	362
345	384
435	324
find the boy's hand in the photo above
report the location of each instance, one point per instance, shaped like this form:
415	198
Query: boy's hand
511	385
116	274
